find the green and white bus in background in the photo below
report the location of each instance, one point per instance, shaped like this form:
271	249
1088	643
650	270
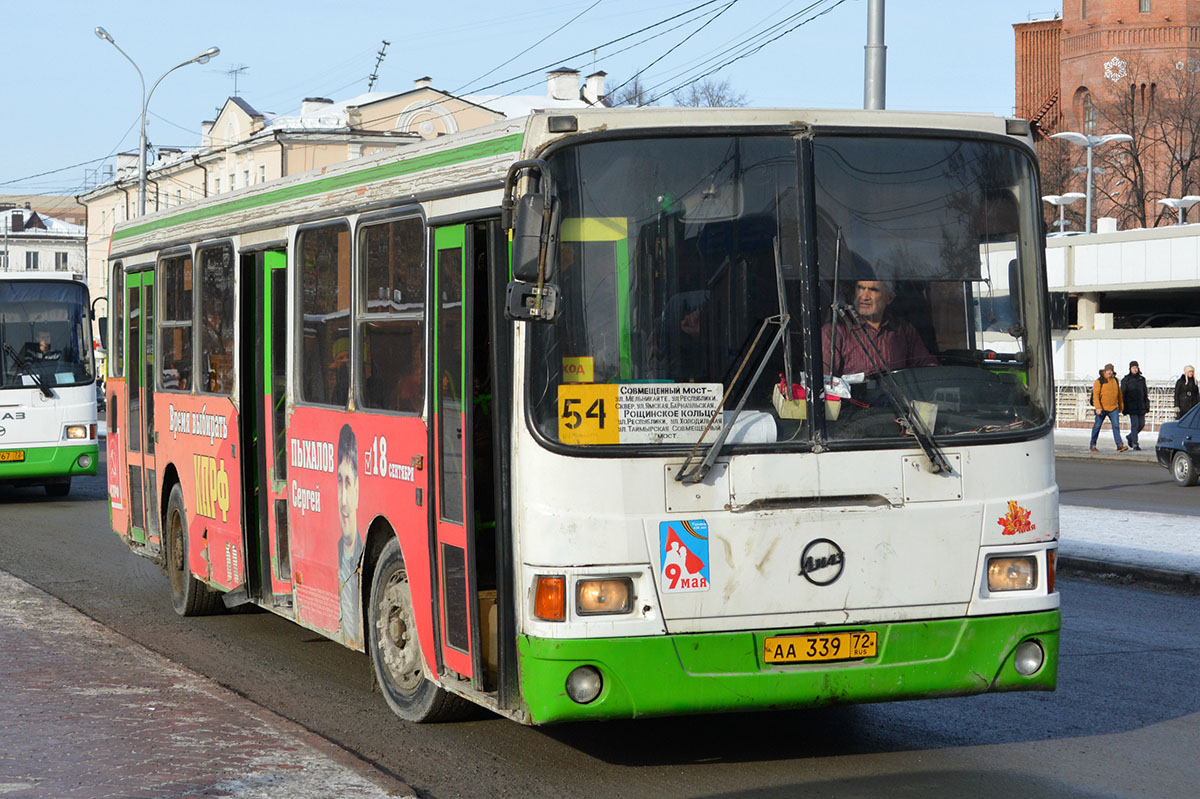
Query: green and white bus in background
47	382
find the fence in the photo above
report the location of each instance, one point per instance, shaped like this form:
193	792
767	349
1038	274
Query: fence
1073	404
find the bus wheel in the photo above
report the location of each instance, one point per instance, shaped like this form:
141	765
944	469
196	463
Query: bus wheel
59	488
395	650
189	596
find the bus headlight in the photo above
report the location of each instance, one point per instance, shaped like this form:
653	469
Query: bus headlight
595	596
75	431
1012	573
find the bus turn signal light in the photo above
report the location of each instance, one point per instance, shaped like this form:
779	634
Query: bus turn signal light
550	598
1012	574
608	595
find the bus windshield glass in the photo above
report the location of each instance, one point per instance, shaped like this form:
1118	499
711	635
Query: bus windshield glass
685	295
45	334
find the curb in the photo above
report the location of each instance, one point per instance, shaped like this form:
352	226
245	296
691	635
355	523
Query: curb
1186	581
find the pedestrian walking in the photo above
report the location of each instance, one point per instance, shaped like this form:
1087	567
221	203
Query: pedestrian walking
1186	395
1107	402
1136	399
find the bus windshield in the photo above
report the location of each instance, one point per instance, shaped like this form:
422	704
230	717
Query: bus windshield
45	334
685	293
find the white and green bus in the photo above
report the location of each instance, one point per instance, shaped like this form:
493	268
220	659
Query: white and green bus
47	381
609	414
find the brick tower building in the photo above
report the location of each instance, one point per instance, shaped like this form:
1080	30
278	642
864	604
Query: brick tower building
1116	66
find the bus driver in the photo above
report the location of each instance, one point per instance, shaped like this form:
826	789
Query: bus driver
898	344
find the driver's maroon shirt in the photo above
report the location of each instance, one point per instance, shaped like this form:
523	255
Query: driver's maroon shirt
898	343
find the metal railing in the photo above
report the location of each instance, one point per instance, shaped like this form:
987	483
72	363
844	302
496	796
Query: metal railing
1073	403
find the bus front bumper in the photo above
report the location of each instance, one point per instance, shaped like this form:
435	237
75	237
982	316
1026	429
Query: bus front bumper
712	672
41	463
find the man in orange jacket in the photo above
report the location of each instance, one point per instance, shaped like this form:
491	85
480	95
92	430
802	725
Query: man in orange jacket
1108	403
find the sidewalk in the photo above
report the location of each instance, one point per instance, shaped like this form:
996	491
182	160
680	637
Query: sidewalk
89	714
1072	442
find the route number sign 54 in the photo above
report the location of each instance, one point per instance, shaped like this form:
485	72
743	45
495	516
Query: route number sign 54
587	414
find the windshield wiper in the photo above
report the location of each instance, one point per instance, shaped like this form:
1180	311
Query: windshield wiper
701	469
782	319
22	364
914	422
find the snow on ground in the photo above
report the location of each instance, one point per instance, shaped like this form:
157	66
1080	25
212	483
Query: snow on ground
1152	540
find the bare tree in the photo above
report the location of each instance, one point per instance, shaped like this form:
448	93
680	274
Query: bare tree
1125	187
1158	104
710	93
631	93
1178	128
1057	160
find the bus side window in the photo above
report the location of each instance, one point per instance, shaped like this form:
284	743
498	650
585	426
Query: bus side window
116	361
391	321
216	319
325	314
175	323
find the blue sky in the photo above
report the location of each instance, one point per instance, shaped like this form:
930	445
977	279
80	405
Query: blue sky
71	98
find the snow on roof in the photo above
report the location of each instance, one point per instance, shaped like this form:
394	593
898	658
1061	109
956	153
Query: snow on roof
54	227
322	116
519	105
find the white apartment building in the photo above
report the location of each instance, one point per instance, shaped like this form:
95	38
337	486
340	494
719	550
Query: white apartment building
32	242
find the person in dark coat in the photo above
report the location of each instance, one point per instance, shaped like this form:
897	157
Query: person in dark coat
1186	395
1137	402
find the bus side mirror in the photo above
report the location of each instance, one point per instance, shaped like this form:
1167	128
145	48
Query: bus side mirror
535	237
103	322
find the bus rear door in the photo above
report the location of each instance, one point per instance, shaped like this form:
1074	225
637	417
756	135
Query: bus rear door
139	428
263	405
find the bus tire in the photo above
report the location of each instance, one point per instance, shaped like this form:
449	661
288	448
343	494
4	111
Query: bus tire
189	596
1183	469
59	488
395	650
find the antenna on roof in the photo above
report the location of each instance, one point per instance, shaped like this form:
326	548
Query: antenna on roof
233	73
375	75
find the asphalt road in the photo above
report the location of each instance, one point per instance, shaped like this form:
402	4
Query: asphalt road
1125	720
1124	485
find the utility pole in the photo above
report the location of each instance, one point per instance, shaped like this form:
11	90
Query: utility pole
375	75
875	78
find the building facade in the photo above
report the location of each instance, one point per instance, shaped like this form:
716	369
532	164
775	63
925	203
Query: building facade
243	147
1116	66
36	243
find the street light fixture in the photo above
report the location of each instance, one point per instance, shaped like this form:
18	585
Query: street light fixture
1181	204
1062	201
203	58
1091	143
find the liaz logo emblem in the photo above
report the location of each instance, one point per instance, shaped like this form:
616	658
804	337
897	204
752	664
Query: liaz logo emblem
822	561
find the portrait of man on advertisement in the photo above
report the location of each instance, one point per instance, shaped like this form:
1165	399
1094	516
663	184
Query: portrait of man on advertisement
350	543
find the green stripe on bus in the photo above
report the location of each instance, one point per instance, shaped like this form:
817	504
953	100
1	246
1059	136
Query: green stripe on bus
470	152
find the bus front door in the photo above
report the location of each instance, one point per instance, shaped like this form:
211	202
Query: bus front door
143	486
453	539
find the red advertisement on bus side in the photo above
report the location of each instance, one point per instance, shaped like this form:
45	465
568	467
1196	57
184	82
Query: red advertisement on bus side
347	472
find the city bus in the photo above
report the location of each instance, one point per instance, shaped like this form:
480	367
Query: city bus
47	381
549	416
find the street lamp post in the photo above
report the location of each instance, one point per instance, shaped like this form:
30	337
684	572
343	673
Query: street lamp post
203	58
1091	143
1062	201
1181	204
